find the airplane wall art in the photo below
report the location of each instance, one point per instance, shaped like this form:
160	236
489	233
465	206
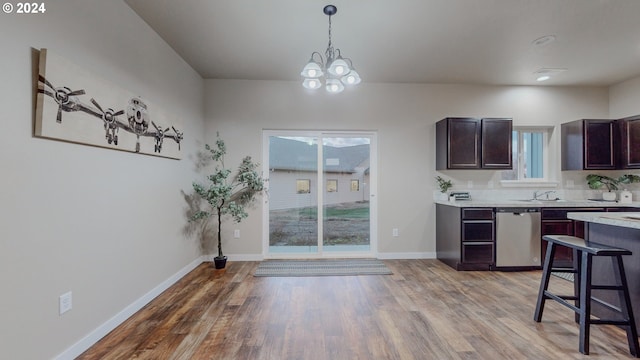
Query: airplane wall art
74	105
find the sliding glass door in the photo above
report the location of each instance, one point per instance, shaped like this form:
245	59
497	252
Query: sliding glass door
320	193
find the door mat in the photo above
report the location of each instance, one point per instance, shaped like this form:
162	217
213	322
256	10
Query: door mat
342	267
562	275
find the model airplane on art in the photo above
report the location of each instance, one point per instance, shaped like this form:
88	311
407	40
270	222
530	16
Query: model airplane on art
137	117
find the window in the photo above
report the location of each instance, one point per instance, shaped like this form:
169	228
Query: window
303	186
355	185
529	155
332	185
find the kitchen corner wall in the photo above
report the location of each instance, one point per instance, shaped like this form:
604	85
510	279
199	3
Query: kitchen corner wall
624	99
404	117
104	224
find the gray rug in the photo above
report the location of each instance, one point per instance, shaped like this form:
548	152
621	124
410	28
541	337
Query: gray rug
340	267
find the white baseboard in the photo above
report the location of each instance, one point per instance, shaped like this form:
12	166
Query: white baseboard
409	255
382	256
97	334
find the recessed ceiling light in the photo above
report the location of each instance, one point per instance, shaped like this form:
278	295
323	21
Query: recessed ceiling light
545	40
544	74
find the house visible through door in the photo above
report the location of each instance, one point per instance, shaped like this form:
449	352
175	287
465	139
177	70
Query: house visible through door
320	194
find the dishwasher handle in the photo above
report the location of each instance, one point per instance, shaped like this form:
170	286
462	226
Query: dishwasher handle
517	211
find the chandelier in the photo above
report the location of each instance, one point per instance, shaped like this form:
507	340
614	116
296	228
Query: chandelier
336	71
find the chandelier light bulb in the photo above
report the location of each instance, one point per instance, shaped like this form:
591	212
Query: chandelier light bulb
334	86
338	67
311	84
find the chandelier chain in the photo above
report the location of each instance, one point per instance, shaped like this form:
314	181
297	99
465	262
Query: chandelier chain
329	53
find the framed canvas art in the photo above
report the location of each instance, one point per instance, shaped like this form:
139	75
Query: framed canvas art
76	106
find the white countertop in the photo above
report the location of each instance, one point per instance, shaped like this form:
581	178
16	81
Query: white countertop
623	219
536	203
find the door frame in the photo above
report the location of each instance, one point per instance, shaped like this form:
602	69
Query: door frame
373	190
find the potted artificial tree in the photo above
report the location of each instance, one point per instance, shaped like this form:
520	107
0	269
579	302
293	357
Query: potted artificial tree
227	195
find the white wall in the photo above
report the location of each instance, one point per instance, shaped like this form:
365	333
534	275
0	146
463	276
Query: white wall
404	116
106	225
624	99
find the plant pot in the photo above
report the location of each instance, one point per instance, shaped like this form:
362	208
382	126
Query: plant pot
220	262
608	195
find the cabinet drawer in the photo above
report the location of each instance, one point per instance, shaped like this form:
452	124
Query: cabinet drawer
557	227
561	213
477	230
477	253
477	214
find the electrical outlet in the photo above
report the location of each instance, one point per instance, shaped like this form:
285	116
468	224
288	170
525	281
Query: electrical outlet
236	233
65	302
395	232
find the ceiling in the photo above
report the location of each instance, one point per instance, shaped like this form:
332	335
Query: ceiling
406	41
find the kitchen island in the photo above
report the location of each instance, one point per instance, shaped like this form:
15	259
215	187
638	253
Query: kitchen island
620	230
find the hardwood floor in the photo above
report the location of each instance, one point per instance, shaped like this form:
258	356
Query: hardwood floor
425	310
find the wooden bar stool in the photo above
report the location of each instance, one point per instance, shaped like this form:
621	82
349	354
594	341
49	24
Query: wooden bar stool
585	252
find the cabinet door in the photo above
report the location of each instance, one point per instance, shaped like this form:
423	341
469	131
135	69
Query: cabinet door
496	144
564	255
630	142
463	143
599	144
589	144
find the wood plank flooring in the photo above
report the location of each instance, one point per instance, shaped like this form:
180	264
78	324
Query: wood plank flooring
425	310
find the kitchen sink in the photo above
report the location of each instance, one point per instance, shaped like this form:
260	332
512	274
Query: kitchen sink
540	200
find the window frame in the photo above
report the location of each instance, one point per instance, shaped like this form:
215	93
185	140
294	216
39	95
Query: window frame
521	181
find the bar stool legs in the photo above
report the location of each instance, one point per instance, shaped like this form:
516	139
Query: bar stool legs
583	287
585	302
626	308
544	283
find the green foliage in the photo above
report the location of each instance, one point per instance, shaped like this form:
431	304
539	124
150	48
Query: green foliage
226	195
596	181
443	184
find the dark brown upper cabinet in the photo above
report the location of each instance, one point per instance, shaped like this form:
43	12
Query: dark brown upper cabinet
588	144
496	144
629	142
471	143
595	144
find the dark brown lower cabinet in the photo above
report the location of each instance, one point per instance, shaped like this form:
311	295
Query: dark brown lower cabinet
555	222
465	237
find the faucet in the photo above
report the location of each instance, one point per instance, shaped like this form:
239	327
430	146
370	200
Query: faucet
536	195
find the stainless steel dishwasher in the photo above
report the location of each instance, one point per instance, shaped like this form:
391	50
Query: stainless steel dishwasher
518	237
